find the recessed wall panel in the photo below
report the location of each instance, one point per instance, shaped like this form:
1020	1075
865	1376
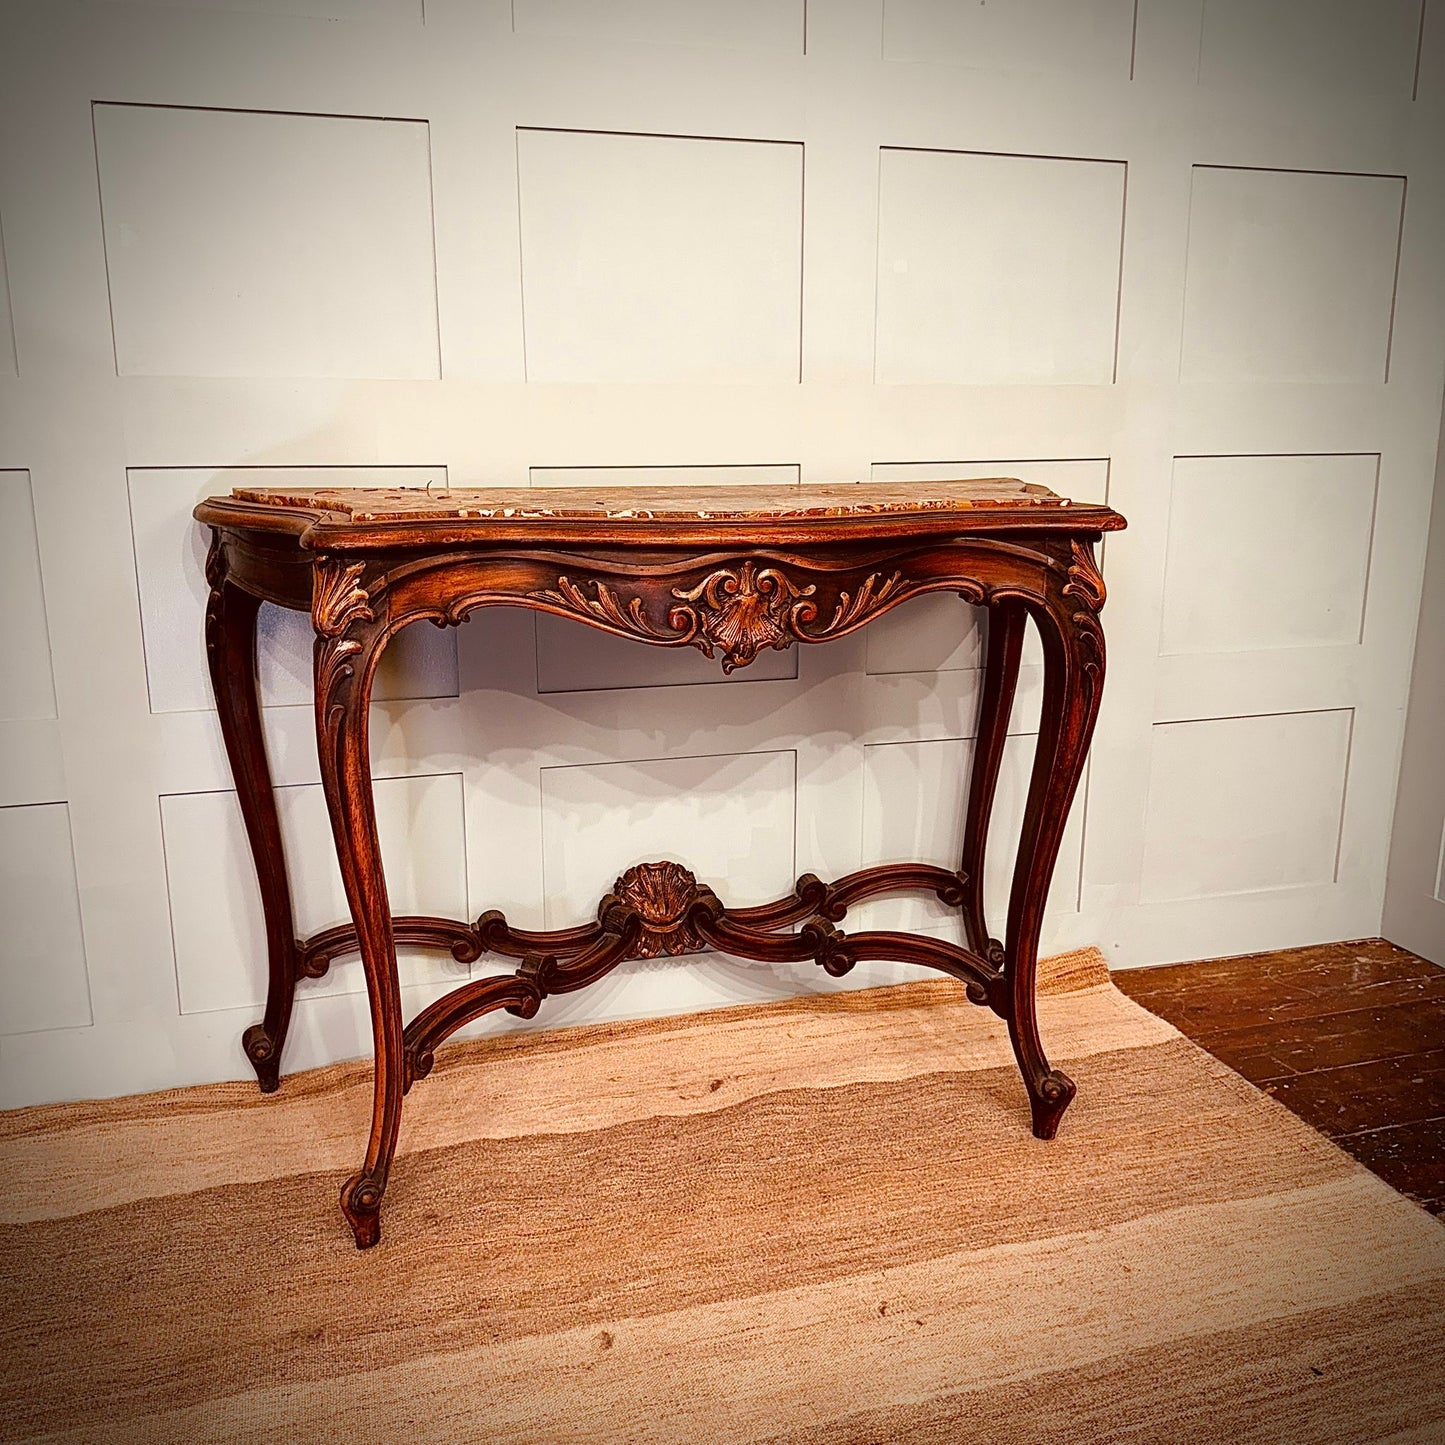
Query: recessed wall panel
776	474
216	920
914	795
170	553
9	362
997	268
1084	37
402	10
1291	276
575	658
772	25
43	980
26	686
660	258
1245	804
1267	552
728	818
247	243
940	633
1364	48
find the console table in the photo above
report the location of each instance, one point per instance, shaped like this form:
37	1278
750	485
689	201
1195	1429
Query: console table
731	571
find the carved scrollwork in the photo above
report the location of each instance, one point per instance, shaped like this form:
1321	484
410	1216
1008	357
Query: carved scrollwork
215	562
742	611
1086	585
661	894
216	580
735	612
334	667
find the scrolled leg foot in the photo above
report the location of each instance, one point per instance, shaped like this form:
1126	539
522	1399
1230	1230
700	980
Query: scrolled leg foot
361	1204
1047	1103
265	1057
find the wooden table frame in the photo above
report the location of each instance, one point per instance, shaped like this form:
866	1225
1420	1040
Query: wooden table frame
729	585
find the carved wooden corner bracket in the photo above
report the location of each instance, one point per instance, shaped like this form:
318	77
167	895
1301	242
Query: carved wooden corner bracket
216	581
338	598
735	611
1085	582
1086	585
341	608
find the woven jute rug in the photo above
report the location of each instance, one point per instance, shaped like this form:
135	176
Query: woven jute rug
818	1221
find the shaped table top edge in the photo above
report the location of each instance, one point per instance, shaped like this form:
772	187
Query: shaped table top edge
327	518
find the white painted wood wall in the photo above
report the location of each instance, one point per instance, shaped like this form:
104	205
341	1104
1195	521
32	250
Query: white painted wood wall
1415	886
1185	255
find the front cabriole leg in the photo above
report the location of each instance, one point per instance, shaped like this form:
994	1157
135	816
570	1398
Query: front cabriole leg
1073	644
351	631
231	656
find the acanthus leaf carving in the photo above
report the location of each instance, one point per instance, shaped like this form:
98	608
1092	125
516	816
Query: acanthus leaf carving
605	606
869	597
1085	582
338	599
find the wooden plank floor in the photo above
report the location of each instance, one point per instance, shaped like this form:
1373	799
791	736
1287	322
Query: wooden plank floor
1349	1036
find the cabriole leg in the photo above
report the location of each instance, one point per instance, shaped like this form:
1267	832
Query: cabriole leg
1073	682
231	655
1006	621
349	641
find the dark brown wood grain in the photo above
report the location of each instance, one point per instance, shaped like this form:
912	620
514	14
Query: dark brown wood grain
762	572
1346	1035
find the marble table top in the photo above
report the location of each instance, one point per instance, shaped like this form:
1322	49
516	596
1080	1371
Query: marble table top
723	503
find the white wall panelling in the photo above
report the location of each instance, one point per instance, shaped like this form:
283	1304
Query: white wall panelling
241	243
31	767
371	10
1245	804
769	25
9	362
1086	37
1184	254
1291	275
1354	48
43	983
27	689
658	258
729	819
1295	577
996	268
1415	887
